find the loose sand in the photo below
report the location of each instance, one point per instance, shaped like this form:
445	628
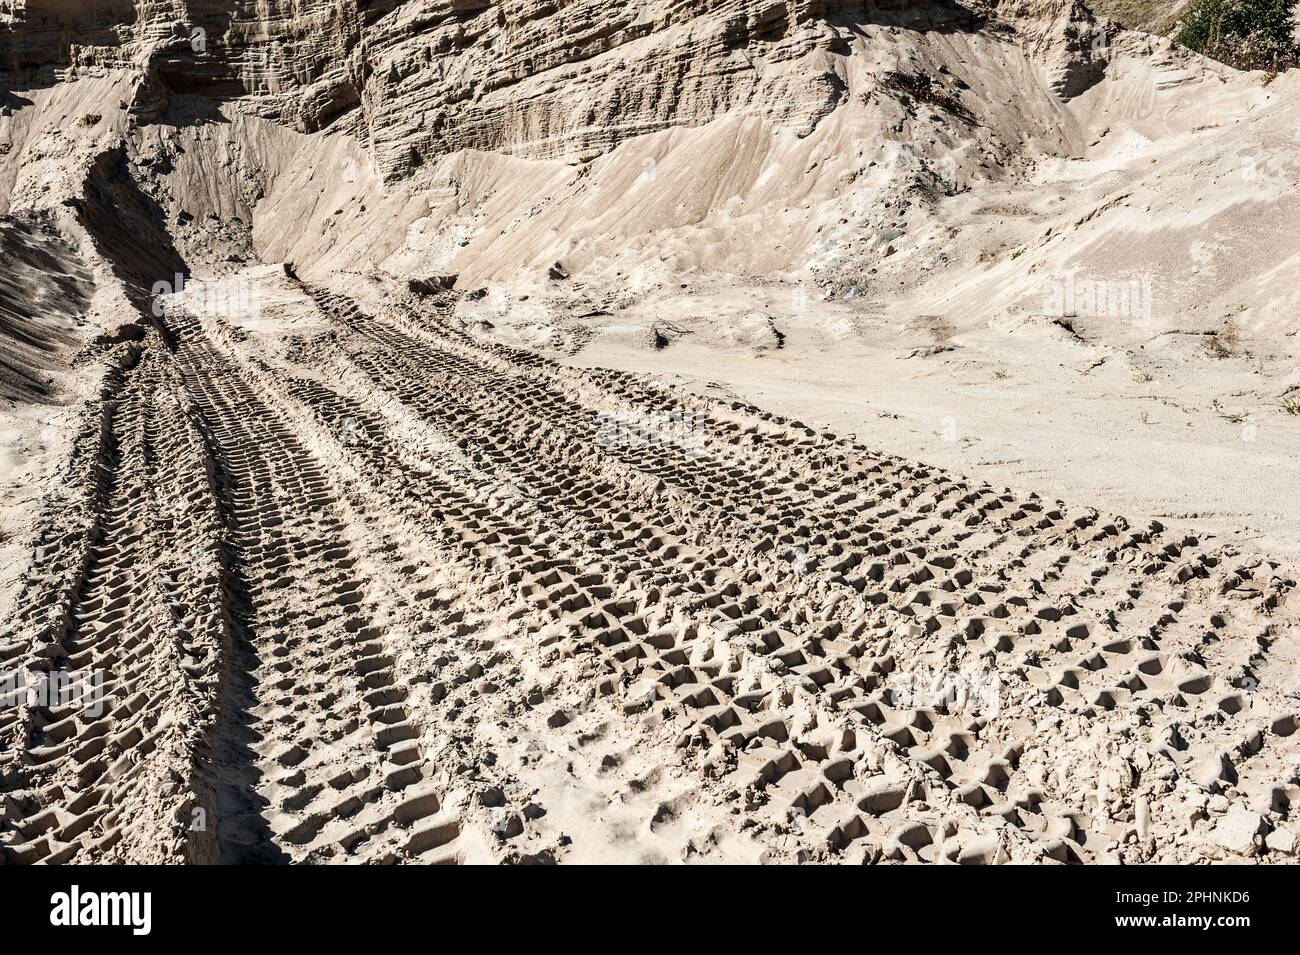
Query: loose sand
877	445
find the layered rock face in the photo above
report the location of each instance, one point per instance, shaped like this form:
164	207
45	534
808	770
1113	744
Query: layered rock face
538	80
572	81
394	131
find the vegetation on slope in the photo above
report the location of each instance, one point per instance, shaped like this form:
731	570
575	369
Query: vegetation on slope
1246	34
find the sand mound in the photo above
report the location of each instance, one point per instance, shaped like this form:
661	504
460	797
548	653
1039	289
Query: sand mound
43	296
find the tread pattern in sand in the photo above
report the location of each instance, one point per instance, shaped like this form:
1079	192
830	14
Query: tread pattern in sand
248	526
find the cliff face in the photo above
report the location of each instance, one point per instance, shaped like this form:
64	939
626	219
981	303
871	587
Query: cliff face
857	147
571	81
538	79
494	136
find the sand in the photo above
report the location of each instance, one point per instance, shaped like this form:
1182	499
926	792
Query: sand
817	465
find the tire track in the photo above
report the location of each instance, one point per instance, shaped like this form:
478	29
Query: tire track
509	424
109	765
299	567
332	762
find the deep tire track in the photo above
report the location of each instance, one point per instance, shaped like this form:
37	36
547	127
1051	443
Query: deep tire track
335	761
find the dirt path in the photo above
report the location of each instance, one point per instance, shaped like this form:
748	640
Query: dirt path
391	592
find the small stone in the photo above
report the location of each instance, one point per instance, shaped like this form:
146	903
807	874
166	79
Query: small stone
507	826
1236	831
1210	773
1142	818
1281	840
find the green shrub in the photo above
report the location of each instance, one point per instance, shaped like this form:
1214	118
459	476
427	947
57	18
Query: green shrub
1246	34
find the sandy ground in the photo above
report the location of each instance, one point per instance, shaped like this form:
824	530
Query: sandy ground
1025	409
371	586
889	456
